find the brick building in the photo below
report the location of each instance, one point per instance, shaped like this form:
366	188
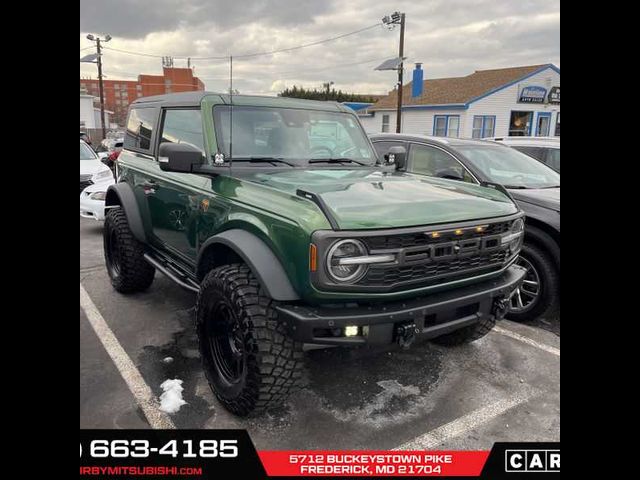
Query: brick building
118	94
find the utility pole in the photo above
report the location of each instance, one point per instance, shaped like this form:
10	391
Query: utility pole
100	82
400	72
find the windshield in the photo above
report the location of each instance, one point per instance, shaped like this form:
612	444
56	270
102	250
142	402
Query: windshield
296	136
510	167
86	153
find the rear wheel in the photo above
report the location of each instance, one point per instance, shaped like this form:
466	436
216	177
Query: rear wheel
124	255
248	359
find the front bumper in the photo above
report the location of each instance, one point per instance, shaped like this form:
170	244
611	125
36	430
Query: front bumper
432	316
91	208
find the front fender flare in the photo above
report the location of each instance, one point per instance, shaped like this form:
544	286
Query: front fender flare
122	194
260	258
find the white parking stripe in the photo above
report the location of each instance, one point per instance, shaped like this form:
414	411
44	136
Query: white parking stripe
140	390
441	435
527	340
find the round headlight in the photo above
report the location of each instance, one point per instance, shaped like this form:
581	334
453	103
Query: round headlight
341	250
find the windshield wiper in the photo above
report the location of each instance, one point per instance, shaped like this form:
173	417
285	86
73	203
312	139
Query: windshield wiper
552	186
516	187
335	160
257	159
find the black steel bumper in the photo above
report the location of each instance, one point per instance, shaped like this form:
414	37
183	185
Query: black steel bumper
429	316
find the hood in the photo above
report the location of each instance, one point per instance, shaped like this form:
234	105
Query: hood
365	198
91	167
541	197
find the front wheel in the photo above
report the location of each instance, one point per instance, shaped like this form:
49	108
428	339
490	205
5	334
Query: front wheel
538	293
250	362
124	255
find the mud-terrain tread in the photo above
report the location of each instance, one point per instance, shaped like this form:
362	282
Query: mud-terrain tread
136	274
275	364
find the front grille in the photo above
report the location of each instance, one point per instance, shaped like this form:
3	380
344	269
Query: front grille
85	181
433	273
419	239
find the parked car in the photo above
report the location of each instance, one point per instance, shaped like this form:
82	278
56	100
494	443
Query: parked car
532	184
95	177
544	149
285	248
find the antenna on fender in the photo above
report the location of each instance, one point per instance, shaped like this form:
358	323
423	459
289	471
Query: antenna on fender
230	110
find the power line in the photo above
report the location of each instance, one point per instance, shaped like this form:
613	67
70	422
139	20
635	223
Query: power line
249	55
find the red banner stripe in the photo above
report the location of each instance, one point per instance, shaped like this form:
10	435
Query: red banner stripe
373	463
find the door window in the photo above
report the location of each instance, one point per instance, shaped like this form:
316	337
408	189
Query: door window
183	126
432	161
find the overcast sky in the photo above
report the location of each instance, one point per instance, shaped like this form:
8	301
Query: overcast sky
450	37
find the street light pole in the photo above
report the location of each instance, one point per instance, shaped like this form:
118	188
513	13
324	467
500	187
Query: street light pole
100	82
400	72
101	85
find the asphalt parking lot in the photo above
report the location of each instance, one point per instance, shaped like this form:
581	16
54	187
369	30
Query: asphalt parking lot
505	387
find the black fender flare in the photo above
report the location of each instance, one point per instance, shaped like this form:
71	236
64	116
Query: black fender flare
122	194
261	260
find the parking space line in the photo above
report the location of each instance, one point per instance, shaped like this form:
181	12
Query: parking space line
468	422
527	340
141	391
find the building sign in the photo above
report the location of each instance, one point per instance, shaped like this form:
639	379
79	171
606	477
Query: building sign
532	94
554	95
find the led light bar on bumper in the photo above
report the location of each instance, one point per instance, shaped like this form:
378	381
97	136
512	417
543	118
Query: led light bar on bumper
388	260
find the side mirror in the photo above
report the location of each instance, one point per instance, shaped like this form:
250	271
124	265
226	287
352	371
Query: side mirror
178	157
450	173
103	155
397	155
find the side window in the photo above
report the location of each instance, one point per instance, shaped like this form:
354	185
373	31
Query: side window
183	126
431	161
140	127
385	123
382	148
535	152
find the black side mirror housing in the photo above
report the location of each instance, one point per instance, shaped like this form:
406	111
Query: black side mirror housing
397	155
450	173
179	157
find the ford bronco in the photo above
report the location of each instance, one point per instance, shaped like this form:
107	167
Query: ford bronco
279	215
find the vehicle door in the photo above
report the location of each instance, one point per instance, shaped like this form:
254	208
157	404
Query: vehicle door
436	162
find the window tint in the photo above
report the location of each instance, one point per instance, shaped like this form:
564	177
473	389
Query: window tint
382	148
140	128
432	161
183	126
535	152
553	158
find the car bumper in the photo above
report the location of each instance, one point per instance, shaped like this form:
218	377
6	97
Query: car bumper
427	317
91	208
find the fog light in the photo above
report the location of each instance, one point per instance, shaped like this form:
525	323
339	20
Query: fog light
351	331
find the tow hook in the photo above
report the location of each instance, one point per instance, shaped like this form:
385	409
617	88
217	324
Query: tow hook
406	334
501	306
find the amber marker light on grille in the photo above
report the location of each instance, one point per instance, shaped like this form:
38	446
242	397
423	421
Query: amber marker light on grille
458	231
480	229
435	234
313	258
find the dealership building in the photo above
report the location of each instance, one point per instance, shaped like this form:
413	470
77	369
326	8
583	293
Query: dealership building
518	101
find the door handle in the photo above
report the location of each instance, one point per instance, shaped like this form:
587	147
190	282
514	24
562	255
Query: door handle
149	186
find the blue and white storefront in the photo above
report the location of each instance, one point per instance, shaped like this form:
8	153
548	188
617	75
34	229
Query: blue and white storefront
522	101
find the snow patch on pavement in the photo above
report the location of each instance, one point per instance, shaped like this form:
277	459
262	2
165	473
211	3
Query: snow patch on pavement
171	400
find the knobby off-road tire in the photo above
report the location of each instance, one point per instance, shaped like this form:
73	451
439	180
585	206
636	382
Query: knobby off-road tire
466	334
249	361
548	278
128	270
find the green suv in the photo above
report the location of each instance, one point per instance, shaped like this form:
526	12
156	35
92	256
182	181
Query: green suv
290	240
